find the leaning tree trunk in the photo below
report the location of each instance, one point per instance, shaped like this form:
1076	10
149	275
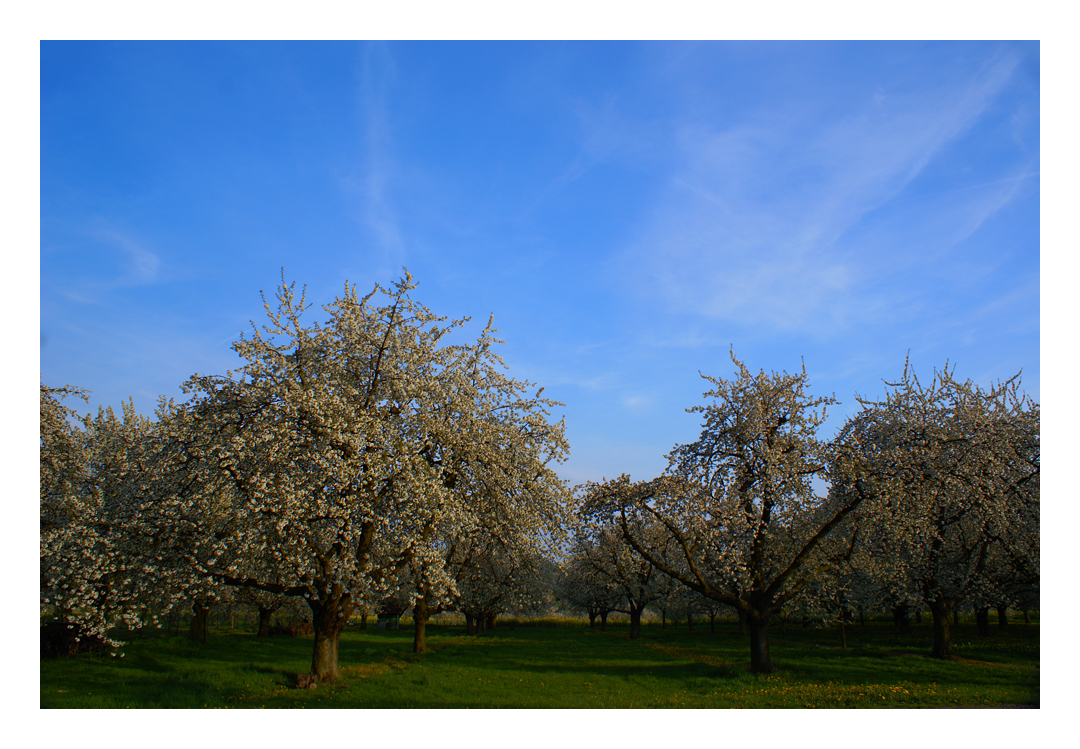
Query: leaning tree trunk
1003	616
264	621
982	620
199	622
329	615
939	607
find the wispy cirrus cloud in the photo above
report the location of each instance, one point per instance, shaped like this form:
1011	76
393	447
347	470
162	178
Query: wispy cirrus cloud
142	264
374	180
120	259
751	227
602	133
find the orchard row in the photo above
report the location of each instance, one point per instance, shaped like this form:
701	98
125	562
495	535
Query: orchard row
370	462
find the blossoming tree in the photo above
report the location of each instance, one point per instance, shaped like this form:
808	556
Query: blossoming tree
738	520
630	580
90	481
954	472
581	587
331	466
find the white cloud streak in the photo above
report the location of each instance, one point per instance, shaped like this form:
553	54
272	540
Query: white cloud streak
138	266
374	179
142	266
751	226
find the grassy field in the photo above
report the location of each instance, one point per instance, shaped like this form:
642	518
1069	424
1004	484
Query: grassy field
559	667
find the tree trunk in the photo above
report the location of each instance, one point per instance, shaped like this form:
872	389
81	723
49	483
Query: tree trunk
1027	618
843	633
900	619
942	639
328	618
199	622
712	624
742	622
956	617
918	616
663	618
264	621
690	621
982	620
470	625
603	621
324	657
592	618
420	620
760	659
363	621
1003	616
635	622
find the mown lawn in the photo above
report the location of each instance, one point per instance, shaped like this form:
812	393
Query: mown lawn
559	667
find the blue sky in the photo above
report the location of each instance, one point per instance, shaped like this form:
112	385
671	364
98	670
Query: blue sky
627	211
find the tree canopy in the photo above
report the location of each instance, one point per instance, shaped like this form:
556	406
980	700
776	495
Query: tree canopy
370	457
347	455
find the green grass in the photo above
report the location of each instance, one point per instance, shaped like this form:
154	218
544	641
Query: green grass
560	667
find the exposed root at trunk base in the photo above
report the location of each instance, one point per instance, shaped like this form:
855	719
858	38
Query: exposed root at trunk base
307	681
